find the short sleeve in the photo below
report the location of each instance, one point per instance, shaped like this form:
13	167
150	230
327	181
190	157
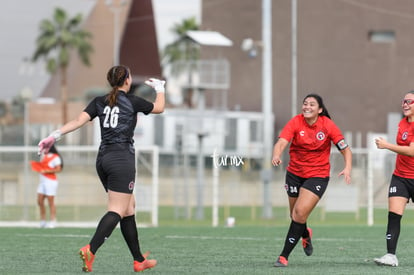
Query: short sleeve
141	105
56	161
91	109
335	133
288	131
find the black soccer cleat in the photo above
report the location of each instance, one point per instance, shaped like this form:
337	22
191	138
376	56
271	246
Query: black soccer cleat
307	243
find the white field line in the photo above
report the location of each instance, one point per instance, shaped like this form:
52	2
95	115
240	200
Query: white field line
260	239
54	235
214	238
58	224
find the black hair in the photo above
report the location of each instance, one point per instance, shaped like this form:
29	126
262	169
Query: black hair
53	150
320	103
116	77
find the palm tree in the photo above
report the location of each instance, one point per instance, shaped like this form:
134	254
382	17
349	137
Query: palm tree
56	39
182	49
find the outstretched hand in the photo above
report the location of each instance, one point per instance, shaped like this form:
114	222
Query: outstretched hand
157	84
45	145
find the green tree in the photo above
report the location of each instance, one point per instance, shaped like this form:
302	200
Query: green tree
182	48
182	53
57	38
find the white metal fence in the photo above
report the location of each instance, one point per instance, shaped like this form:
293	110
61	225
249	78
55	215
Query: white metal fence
172	183
81	197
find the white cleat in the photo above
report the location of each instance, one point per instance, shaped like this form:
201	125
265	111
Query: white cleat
51	224
387	259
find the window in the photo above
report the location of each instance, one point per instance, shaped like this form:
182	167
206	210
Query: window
230	141
382	36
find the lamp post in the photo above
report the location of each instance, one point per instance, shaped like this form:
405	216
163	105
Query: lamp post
204	38
267	105
250	46
294	57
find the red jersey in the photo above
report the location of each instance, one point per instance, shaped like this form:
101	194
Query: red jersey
404	165
310	146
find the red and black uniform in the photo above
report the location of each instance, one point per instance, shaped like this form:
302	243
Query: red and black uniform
310	152
402	181
115	162
404	166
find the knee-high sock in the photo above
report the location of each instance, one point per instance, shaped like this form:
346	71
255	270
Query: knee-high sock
292	237
130	232
104	230
393	231
305	232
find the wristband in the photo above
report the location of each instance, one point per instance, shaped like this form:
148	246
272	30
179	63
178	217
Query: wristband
56	135
160	87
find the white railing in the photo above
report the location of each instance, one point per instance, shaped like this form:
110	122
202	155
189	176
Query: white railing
78	183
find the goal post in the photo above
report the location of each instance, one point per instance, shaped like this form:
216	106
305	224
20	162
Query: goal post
146	193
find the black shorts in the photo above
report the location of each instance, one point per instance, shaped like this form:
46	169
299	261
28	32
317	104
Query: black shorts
116	169
401	187
316	185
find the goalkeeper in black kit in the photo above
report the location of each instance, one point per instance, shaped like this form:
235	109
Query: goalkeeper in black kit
117	112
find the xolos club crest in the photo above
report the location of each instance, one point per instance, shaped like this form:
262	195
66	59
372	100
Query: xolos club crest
320	135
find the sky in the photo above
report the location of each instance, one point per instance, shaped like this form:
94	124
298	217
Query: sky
19	29
169	12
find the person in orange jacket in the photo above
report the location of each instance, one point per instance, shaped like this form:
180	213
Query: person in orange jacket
49	164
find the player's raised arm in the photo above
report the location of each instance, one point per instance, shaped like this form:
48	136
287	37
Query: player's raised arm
159	87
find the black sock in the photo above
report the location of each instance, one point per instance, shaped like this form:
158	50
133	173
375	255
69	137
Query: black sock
130	233
393	231
305	232
104	230
292	237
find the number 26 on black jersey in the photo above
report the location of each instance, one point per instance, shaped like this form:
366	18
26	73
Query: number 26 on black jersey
111	117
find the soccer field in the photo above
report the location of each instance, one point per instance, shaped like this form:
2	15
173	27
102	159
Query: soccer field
204	250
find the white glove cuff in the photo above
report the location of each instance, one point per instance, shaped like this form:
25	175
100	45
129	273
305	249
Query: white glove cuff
160	87
160	90
56	135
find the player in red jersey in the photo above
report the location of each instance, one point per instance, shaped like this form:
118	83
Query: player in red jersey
402	181
310	135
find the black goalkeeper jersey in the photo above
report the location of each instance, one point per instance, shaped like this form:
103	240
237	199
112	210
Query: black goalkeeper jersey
118	122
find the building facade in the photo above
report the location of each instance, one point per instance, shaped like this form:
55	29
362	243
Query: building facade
356	54
135	26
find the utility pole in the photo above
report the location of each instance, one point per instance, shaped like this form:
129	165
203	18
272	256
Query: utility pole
267	99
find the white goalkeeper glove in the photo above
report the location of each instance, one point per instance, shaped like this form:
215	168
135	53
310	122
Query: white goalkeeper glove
157	84
46	143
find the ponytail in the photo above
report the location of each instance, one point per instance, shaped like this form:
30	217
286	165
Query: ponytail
116	77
